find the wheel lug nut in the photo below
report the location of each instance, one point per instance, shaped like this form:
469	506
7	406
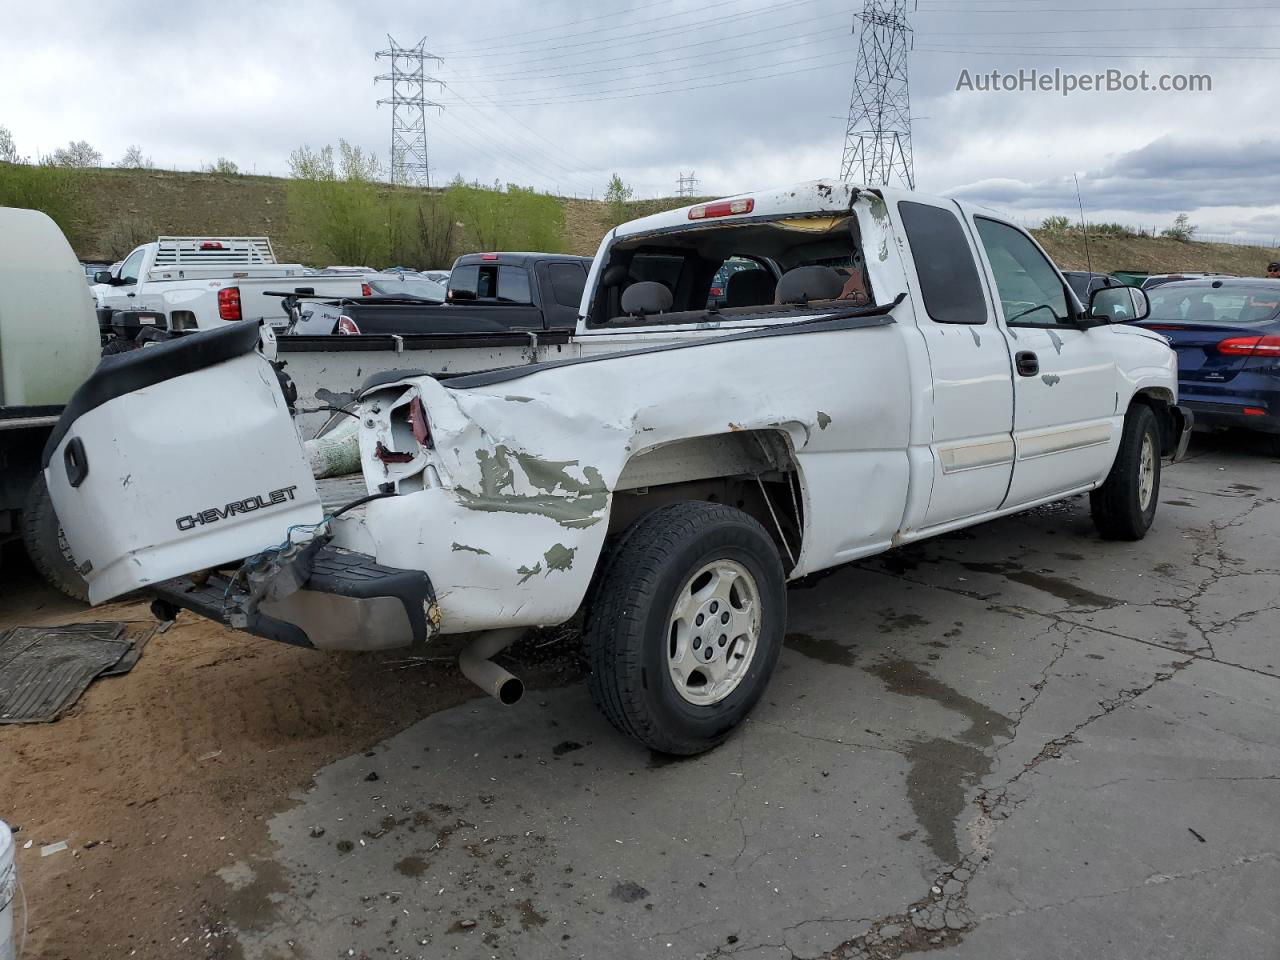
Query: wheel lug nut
710	653
697	642
724	617
714	606
698	620
723	640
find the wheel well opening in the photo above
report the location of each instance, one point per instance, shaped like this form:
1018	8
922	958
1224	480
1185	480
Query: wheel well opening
1160	401
752	470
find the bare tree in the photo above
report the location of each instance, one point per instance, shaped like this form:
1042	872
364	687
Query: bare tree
77	153
222	165
8	150
134	160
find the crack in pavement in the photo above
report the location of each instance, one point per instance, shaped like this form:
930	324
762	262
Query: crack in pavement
1155	879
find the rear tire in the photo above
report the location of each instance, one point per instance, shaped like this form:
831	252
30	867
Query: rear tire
1124	506
673	567
46	546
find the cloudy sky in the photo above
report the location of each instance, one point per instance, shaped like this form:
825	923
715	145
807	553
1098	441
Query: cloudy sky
558	94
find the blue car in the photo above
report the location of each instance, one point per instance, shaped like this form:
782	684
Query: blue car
1227	335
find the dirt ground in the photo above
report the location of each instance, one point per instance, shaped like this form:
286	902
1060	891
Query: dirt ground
159	778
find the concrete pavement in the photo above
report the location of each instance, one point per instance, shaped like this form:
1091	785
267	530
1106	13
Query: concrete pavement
1017	741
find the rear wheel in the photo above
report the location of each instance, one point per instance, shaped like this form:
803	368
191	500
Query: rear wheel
686	626
1125	505
46	545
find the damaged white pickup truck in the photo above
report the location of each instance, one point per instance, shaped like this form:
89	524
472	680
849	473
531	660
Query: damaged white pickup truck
882	367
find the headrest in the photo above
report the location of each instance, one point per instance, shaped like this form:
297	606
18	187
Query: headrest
644	298
804	284
749	288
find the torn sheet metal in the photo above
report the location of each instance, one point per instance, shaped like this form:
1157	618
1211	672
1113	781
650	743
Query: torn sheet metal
509	508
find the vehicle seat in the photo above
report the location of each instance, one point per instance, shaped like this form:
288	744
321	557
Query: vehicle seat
750	288
645	298
807	284
1201	313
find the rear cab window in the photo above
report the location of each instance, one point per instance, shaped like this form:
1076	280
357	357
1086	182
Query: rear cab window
490	283
949	281
729	272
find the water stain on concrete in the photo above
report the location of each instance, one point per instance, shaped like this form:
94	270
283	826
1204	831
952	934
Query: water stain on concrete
411	867
820	649
251	895
628	892
942	769
1072	593
529	917
894	622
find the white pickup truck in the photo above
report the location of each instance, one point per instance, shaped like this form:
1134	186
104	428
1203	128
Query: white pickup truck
881	368
199	283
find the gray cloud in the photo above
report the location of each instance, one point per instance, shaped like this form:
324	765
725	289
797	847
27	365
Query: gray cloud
545	94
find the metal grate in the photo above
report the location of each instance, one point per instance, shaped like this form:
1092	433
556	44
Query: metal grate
214	251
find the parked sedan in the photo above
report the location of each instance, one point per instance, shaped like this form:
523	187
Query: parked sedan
1227	335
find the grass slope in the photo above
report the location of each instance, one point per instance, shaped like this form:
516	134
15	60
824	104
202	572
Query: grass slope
199	203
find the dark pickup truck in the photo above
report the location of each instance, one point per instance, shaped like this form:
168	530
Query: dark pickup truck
487	293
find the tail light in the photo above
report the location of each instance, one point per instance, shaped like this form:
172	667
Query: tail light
366	290
348	327
1254	412
211	245
725	208
419	423
229	304
1251	346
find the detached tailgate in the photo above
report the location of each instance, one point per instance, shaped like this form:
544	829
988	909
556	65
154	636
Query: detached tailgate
256	305
176	458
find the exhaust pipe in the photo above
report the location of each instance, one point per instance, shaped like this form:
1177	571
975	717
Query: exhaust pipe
484	673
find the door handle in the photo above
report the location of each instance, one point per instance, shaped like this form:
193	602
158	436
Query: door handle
1028	363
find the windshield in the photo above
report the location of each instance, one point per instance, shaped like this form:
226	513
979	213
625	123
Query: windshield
408	287
1229	304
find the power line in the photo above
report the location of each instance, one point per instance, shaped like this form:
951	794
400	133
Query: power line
877	137
1014	53
705	86
720	53
644	36
1011	10
679	86
568	23
921	35
553	159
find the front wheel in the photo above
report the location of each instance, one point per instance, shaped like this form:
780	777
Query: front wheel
686	626
1125	505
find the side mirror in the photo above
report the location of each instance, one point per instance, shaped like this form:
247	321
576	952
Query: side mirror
102	276
1119	305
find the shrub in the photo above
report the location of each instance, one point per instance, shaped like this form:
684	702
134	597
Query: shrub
1182	230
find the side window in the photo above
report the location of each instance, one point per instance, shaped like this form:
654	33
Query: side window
513	285
567	281
130	269
1031	294
949	282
